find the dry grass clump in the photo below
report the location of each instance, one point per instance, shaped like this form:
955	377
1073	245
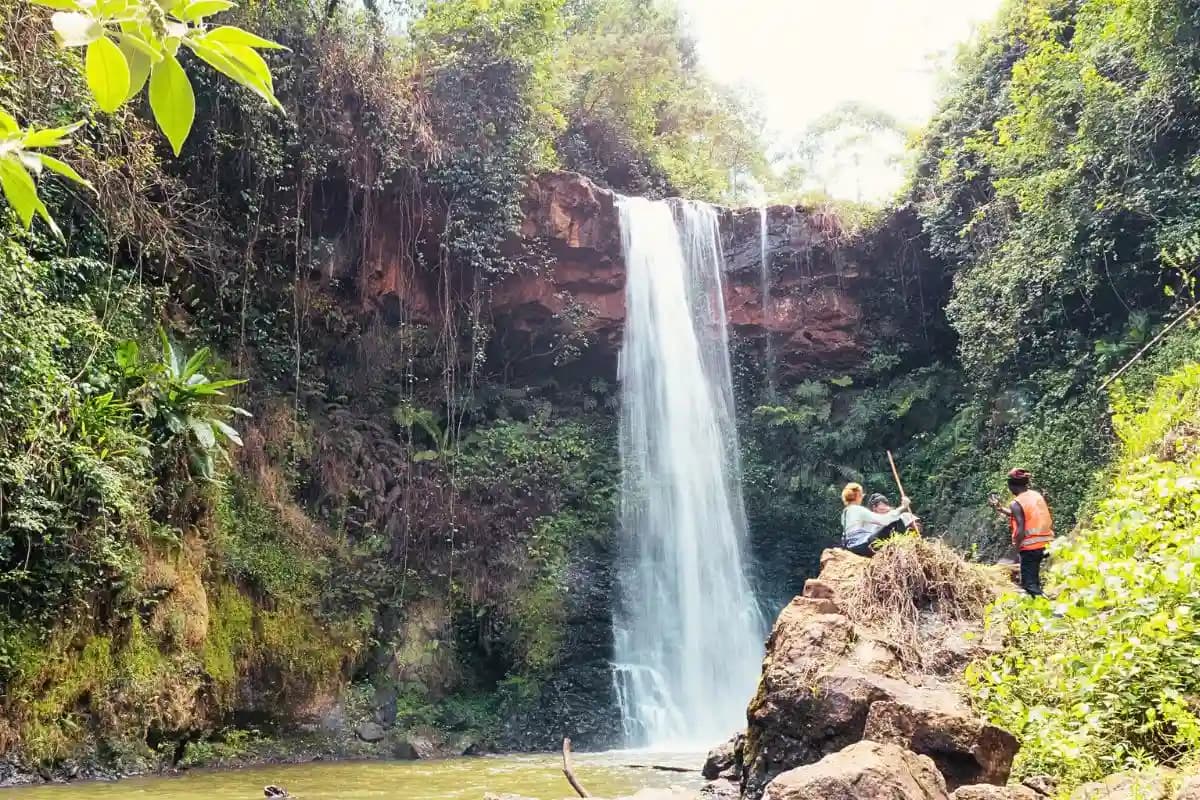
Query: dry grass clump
911	579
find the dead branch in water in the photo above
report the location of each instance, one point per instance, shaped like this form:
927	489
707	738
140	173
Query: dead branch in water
571	779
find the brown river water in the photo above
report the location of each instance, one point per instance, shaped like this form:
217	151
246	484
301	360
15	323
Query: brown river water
535	776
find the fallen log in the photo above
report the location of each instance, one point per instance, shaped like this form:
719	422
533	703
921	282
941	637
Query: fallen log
570	773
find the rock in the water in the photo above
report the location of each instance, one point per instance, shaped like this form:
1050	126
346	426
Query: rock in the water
1153	784
721	789
370	732
987	791
862	771
725	760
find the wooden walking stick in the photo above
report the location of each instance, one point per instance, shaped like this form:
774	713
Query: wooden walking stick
896	474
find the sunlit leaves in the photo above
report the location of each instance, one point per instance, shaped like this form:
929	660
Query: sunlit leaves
130	43
172	100
107	74
20	164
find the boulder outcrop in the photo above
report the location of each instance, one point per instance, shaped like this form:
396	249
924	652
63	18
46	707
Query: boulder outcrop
863	771
830	682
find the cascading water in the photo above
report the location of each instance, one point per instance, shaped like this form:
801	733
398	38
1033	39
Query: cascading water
688	631
765	275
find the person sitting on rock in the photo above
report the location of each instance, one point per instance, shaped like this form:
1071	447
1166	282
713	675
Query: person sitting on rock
879	504
861	527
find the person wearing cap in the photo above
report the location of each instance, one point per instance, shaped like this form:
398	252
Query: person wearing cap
880	504
861	527
1032	528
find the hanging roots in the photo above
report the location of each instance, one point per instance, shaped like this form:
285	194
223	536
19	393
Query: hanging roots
910	578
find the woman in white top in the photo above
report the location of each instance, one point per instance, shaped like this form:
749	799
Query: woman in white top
861	527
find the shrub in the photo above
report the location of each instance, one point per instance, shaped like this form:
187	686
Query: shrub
910	575
1107	675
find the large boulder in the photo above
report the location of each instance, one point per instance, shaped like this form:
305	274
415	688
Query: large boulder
937	723
721	789
725	760
370	732
862	771
829	682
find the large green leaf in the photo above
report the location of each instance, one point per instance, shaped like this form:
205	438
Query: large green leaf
227	34
22	194
139	65
8	123
172	101
63	168
199	9
107	74
194	363
49	137
203	431
227	61
230	432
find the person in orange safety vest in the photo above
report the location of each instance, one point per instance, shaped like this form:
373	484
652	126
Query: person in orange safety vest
1032	528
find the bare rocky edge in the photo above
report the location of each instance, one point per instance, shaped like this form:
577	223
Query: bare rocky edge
853	705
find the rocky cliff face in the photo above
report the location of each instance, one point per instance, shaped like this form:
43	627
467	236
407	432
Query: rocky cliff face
831	294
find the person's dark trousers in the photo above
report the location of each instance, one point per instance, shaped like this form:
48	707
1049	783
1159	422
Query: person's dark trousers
1031	571
867	548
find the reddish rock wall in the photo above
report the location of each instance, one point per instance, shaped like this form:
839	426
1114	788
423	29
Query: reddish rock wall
819	314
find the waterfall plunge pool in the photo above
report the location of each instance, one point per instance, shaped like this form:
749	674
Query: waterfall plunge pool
536	776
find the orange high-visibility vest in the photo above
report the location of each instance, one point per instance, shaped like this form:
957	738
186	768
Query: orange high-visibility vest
1039	525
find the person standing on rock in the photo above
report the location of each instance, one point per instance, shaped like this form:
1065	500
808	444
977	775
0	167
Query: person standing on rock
1032	528
861	527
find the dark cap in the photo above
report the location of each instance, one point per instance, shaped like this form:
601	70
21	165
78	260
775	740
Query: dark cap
876	499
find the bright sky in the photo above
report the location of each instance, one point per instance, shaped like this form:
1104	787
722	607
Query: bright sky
804	57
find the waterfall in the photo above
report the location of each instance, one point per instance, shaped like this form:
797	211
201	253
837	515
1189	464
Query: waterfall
688	631
765	278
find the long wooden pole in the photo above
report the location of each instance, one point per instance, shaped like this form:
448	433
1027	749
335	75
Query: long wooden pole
570	773
1151	343
896	475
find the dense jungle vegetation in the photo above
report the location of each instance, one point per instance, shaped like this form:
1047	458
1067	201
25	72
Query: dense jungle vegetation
226	493
236	495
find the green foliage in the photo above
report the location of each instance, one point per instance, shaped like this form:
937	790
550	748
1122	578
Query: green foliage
1055	179
74	465
179	404
496	131
128	42
259	549
641	114
1104	677
20	164
551	488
